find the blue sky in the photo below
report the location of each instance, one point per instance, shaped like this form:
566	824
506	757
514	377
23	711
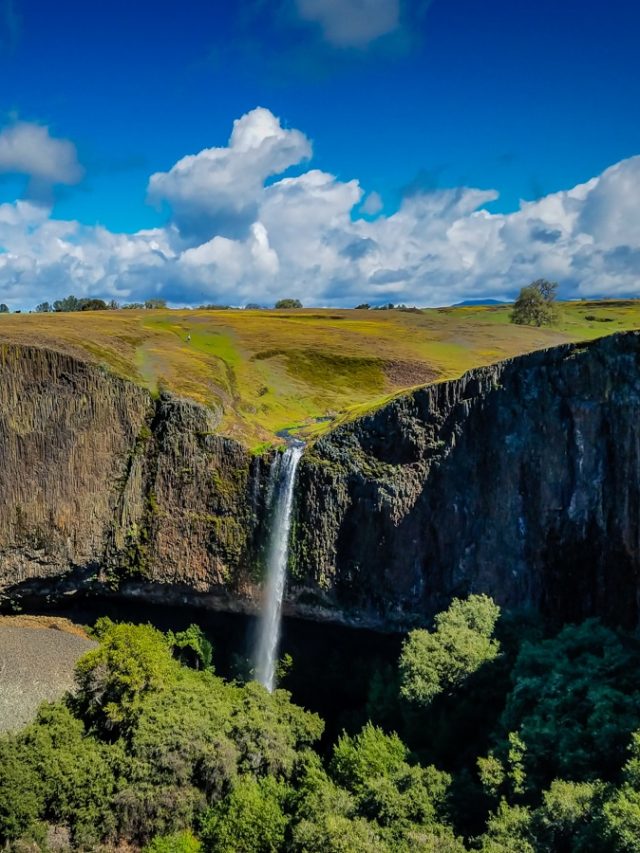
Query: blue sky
409	99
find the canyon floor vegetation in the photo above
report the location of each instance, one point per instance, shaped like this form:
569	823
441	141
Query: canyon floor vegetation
303	369
493	733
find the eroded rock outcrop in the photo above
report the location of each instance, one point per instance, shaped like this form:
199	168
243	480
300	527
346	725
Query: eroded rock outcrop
103	486
521	480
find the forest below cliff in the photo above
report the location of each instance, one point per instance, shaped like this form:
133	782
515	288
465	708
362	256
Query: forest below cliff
492	732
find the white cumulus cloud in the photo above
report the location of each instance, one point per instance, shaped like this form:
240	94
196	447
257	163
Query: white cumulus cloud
237	233
372	204
218	189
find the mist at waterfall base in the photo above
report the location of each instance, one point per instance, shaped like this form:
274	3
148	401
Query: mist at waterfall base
280	503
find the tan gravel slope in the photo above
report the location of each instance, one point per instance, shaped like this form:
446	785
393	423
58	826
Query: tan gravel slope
36	664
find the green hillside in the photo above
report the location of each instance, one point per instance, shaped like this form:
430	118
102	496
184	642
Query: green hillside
275	370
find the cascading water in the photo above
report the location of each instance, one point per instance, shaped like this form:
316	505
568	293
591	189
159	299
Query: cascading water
281	485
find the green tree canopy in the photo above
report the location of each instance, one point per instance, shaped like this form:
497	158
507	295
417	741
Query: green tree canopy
93	305
251	818
621	814
153	752
21	792
113	678
191	647
69	303
574	703
177	842
73	303
535	304
433	662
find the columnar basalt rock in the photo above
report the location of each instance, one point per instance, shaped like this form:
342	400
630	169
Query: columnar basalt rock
66	429
521	480
102	486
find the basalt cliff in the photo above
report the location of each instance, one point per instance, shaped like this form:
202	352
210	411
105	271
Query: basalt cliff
104	487
521	480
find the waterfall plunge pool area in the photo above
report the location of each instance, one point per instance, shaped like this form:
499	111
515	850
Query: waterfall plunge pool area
332	664
330	668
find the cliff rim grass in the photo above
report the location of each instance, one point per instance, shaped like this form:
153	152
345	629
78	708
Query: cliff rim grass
301	371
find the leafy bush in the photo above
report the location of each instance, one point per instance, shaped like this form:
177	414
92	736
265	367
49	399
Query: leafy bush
191	647
400	798
147	746
574	702
435	661
114	678
250	818
179	842
52	771
21	792
73	303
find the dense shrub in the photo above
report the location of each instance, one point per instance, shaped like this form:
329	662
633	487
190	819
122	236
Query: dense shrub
251	817
288	303
440	660
21	791
114	678
191	647
178	842
574	703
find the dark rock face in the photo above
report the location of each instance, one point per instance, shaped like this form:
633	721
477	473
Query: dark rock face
65	431
101	485
521	480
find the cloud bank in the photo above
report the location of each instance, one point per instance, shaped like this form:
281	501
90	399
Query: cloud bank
243	229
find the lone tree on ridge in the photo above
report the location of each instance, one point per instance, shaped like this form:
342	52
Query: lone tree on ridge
535	305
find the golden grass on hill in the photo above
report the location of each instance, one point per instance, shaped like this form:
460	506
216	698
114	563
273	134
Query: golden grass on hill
275	370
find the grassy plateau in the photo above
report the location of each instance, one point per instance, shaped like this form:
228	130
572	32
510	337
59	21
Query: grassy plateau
305	369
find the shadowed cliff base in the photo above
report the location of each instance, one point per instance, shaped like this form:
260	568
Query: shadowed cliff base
318	651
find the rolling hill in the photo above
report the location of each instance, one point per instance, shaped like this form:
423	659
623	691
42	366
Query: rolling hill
302	370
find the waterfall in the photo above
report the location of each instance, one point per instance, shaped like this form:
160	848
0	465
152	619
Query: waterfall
281	485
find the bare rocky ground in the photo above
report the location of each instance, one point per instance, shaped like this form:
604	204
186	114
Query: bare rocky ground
37	659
